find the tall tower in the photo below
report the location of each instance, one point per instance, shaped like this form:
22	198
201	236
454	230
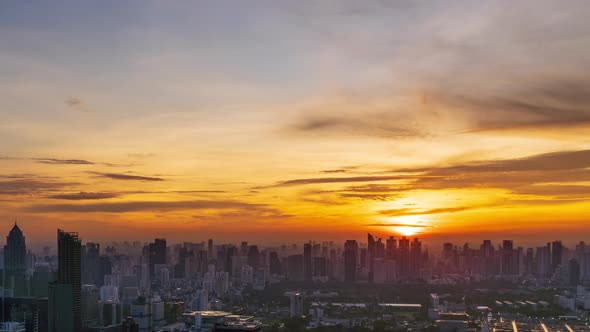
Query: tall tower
307	267
351	249
15	251
65	294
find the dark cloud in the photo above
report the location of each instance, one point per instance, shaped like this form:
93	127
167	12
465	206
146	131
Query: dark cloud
85	196
30	185
127	177
122	207
331	171
53	161
78	105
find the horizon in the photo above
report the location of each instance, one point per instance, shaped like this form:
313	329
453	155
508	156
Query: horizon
265	120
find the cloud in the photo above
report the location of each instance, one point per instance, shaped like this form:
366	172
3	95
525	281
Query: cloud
414	212
53	161
299	182
140	155
399	225
78	105
331	171
127	177
85	196
30	185
138	206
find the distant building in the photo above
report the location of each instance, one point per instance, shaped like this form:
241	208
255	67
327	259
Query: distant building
65	294
350	260
295	304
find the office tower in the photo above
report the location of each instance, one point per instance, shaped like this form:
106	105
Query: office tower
65	294
295	267
415	256
371	251
487	248
253	257
350	260
275	263
363	258
232	251
105	268
244	248
404	256
320	267
543	262
307	267
556	254
15	251
390	248
157	254
89	300
509	262
91	264
574	272
296	304
210	248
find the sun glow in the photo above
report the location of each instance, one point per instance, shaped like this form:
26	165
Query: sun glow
408	225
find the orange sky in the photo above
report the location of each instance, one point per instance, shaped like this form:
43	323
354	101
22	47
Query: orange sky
461	122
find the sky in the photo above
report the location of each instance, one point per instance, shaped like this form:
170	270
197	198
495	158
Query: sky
280	121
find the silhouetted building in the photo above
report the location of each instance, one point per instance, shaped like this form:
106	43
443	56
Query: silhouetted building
91	264
275	263
295	267
404	256
15	251
556	254
65	293
253	257
307	264
574	272
157	254
350	260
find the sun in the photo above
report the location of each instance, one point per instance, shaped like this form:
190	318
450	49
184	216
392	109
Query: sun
408	225
406	230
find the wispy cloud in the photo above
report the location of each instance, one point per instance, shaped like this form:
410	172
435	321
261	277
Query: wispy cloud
53	161
323	180
127	177
78	105
137	206
85	196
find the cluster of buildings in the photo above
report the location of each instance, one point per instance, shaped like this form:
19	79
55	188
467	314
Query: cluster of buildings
552	262
194	286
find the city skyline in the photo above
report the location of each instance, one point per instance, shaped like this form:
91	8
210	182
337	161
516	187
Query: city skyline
277	122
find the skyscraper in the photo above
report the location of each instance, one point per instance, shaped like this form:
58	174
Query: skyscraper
91	264
351	249
371	250
307	265
404	256
556	254
15	251
157	254
65	294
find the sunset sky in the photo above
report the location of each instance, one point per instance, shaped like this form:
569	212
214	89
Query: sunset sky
295	120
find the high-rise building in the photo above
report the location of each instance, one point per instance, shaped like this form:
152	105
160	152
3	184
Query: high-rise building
275	263
404	257
15	251
253	257
350	260
415	256
556	255
296	304
390	247
157	254
307	264
509	258
295	267
65	294
371	251
91	264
